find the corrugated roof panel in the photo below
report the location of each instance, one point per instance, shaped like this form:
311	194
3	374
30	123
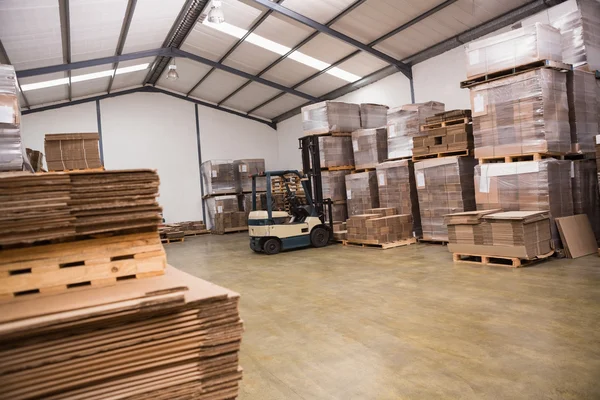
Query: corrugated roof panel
218	85
91	87
251	96
189	72
95	27
375	18
363	64
151	23
47	95
283	30
130	79
326	48
279	106
250	58
30	32
289	72
208	42
238	13
318	10
321	85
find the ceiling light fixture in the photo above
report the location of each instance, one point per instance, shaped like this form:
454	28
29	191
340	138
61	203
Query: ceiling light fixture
172	75
216	15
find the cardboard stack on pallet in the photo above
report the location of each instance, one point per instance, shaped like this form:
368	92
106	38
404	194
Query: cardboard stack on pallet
373	116
226	214
361	192
330	117
370	147
379	226
334	188
586	194
583	110
337	160
36	159
11	147
218	177
243	171
447	133
72	151
404	124
398	189
177	231
279	186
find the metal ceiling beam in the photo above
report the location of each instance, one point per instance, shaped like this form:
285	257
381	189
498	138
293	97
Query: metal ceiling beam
501	21
122	38
184	24
5	60
405	69
147	89
65	28
234	47
302	43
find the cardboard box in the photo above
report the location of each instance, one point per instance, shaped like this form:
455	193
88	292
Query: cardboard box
244	169
335	151
330	117
334	185
361	192
586	195
218	177
583	110
373	116
370	147
376	229
228	205
404	123
65	151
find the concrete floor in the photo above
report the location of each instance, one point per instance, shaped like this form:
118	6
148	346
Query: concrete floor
406	323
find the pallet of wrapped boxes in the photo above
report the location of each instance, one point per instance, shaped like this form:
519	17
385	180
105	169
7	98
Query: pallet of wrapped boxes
380	227
72	151
225	214
336	118
490	237
12	152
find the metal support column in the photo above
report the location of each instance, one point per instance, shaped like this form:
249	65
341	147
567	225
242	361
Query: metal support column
412	90
99	122
200	164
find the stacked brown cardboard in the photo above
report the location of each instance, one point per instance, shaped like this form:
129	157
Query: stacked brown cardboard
11	148
218	177
579	24
586	196
583	110
444	186
46	206
521	114
225	213
526	186
378	227
261	202
335	151
334	188
404	123
370	147
398	189
243	171
456	135
181	229
330	117
520	234
511	49
36	159
167	337
66	151
373	116
598	158
361	192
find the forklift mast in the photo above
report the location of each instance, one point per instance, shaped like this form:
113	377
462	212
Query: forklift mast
311	167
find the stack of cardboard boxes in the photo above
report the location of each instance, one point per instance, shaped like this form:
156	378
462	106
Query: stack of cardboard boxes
448	132
11	148
72	151
379	226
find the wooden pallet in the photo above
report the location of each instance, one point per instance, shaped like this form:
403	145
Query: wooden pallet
522	157
512	262
94	262
196	233
325	132
459	153
358	171
399	158
483	78
374	244
231	230
172	240
433	241
443	124
79	170
342	168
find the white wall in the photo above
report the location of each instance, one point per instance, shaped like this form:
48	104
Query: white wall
151	130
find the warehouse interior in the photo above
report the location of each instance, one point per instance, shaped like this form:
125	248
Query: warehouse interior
299	199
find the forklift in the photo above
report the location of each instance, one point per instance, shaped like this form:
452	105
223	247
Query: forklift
272	231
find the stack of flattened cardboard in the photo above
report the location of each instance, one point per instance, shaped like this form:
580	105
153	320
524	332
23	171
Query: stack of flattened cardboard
583	110
66	151
379	226
373	115
521	114
36	159
330	117
370	147
398	189
225	212
11	147
586	195
512	49
404	123
335	151
444	186
167	337
334	188
453	133
47	206
218	177
361	192
526	186
520	234
243	171
230	222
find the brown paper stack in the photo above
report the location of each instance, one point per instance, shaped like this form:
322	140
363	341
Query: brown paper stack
373	228
330	117
66	151
218	177
373	115
335	151
361	192
243	171
370	147
404	123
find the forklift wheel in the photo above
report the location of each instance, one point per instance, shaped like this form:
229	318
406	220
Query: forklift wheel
255	249
272	246
319	237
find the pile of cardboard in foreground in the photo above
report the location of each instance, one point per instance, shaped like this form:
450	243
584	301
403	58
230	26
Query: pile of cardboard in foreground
378	226
48	206
65	151
168	337
518	234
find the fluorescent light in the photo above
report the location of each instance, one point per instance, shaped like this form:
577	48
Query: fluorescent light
84	77
281	50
